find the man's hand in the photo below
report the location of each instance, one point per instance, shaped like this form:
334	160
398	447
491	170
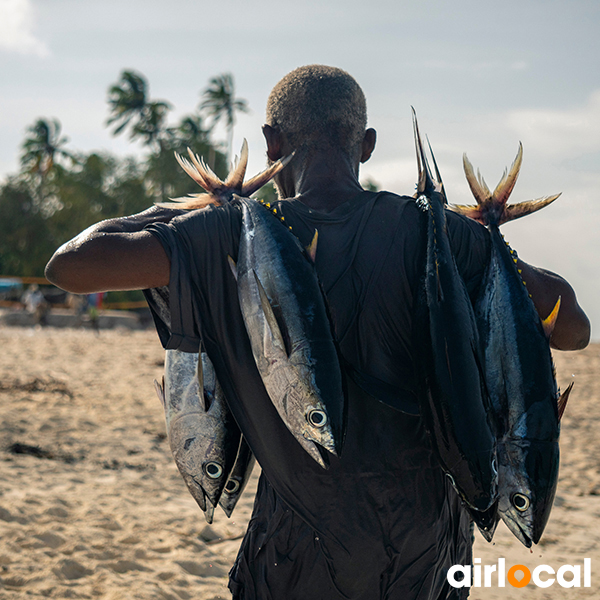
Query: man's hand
113	255
572	330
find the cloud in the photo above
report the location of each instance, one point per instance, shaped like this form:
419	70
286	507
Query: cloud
16	25
569	132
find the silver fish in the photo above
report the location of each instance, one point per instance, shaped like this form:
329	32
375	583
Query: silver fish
202	435
518	367
454	404
290	334
238	478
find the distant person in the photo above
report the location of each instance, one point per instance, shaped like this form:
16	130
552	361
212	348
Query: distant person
36	304
94	304
383	522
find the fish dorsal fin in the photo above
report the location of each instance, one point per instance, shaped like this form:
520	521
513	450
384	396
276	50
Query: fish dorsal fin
160	391
550	321
235	179
254	184
276	334
311	249
563	399
509	178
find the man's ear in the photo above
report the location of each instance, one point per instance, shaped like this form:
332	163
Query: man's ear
274	142
368	144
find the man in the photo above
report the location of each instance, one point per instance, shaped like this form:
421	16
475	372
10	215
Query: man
382	521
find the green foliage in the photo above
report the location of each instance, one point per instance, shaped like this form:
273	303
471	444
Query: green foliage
59	193
25	240
219	103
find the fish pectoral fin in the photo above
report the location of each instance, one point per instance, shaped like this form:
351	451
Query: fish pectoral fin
550	321
312	248
276	334
563	399
232	266
160	391
200	374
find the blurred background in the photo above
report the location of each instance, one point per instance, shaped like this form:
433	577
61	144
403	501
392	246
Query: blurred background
95	96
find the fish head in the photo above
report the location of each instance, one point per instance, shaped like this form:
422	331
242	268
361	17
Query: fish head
197	457
312	420
528	473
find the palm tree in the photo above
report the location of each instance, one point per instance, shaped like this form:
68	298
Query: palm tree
219	102
43	145
130	106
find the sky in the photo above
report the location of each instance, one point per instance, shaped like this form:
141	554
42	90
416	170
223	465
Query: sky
482	76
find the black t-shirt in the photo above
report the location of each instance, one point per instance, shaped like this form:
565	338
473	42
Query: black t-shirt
383	519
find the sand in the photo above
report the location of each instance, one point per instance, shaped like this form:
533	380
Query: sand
101	511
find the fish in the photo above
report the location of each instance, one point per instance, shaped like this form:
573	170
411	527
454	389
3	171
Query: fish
289	330
455	402
519	370
238	477
283	308
203	437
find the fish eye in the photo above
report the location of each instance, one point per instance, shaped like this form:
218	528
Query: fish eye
521	502
213	470
232	486
317	418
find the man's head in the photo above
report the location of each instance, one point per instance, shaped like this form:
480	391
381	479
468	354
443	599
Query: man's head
319	107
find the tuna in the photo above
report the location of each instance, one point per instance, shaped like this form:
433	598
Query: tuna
203	437
238	477
290	333
455	404
518	366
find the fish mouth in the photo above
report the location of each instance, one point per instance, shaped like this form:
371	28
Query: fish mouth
519	532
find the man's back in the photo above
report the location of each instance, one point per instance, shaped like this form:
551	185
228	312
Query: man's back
354	524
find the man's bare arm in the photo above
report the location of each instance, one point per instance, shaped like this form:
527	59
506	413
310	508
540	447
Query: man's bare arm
572	330
113	255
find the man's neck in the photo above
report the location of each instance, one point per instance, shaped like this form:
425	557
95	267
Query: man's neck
322	180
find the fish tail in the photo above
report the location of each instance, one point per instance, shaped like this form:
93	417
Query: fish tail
492	207
216	188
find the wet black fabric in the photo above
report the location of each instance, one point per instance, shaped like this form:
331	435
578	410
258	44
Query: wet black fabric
382	522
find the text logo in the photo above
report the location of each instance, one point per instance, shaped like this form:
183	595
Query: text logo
518	576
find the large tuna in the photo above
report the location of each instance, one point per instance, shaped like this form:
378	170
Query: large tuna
455	402
289	330
283	308
518	366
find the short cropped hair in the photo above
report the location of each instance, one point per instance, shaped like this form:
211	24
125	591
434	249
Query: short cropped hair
316	106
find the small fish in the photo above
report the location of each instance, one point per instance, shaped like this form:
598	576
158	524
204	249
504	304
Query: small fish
238	478
203	436
455	404
290	334
518	366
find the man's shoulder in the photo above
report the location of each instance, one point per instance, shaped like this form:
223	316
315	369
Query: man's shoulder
212	220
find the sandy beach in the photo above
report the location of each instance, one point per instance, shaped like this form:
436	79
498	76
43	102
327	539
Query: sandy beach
92	505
